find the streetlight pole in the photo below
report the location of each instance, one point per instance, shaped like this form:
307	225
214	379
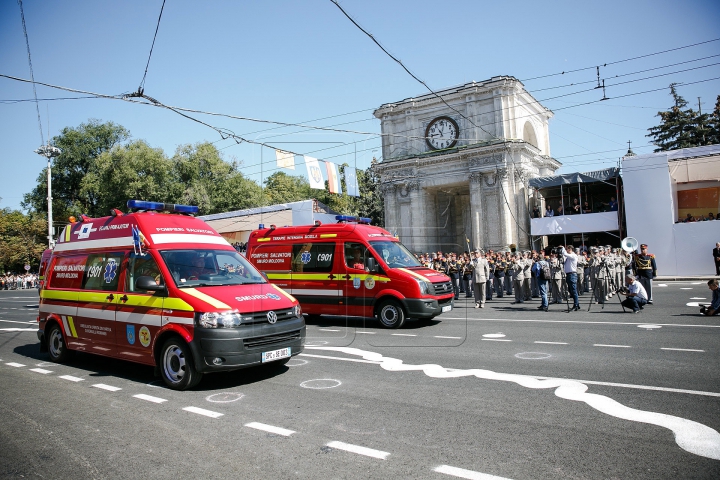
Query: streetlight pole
49	152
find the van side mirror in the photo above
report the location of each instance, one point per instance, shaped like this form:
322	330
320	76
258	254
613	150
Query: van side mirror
148	283
264	275
372	265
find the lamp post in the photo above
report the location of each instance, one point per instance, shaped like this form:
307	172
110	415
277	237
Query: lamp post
49	152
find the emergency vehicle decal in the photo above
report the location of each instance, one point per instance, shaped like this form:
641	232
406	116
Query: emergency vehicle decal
414	274
93	244
356	283
283	292
162	238
328	235
69	326
130	333
369	283
110	271
206	298
144	336
305	257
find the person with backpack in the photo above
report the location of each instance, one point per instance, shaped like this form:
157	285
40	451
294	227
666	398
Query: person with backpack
541	271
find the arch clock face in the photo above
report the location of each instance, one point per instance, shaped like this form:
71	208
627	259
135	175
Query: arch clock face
442	133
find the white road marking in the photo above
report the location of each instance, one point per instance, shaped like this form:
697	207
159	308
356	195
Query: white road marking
366	333
321	383
662	285
682	349
649	327
109	388
335	358
691	436
327	330
202	411
581	322
692	304
695	283
404	334
552	343
18	329
368	452
454	338
494	335
497	340
41	370
613	346
225	397
15	321
270	429
13	364
469	474
149	398
686	288
71	378
698	298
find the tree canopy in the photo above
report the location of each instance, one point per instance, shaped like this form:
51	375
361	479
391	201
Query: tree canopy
23	238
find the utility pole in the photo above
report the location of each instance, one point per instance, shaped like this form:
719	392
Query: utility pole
49	152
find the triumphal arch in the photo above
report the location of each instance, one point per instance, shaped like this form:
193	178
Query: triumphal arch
455	165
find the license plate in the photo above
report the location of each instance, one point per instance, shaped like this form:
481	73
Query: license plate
275	355
446	308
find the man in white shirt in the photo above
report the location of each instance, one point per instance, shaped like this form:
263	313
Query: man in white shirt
636	294
570	267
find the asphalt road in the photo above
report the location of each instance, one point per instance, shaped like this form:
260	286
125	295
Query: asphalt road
500	392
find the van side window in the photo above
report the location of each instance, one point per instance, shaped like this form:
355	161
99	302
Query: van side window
355	255
141	266
67	272
102	271
313	257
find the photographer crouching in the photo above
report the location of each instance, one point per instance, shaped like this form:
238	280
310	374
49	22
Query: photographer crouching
714	307
635	293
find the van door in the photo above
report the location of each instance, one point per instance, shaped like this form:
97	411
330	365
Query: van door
358	285
314	281
59	296
97	302
139	312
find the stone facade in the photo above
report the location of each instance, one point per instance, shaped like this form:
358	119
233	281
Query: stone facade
476	189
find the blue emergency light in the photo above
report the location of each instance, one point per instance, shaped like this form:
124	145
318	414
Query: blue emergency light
350	218
162	207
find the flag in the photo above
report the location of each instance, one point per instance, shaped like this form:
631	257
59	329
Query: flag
285	159
315	176
351	182
333	178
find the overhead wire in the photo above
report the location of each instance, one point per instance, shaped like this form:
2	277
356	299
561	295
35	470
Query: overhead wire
157	27
32	74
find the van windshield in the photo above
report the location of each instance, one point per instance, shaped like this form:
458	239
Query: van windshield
205	268
395	254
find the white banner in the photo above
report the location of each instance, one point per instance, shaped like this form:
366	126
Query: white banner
315	176
567	224
285	159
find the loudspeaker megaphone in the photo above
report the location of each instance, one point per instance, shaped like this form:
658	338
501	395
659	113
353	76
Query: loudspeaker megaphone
629	244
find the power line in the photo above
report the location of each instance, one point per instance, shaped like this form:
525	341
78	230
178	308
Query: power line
157	27
32	75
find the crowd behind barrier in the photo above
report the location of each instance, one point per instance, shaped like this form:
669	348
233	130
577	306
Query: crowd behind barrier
18	282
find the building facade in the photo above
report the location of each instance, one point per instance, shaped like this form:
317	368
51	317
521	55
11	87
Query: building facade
455	165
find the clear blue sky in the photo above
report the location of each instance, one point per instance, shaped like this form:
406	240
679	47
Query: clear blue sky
297	61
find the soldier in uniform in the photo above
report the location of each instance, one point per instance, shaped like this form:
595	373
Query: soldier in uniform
598	272
534	288
581	263
491	276
556	269
645	270
509	273
467	274
453	271
527	275
481	273
499	277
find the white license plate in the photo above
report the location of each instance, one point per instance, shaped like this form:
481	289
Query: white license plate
275	355
446	308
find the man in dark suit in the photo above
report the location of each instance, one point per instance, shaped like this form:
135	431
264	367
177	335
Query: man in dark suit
716	257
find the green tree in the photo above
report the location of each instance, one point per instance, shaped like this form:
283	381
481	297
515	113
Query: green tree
133	171
23	238
714	124
283	188
677	129
211	183
80	146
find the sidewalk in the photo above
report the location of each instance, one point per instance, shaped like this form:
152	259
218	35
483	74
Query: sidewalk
684	278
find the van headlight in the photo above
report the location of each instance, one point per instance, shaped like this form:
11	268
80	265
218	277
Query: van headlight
297	310
222	319
425	287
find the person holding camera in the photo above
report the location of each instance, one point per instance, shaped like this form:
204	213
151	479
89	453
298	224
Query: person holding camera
635	293
570	262
714	307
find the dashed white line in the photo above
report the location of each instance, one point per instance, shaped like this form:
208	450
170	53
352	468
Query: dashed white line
41	370
404	334
469	474
454	338
327	330
202	411
552	343
366	333
614	346
356	360
368	452
109	388
149	398
13	364
71	378
682	349
496	340
270	429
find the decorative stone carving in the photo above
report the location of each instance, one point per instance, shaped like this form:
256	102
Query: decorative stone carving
492	159
405	188
476	177
491	179
388	188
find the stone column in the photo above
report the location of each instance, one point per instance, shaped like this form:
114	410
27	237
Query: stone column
505	196
419	217
391	223
476	208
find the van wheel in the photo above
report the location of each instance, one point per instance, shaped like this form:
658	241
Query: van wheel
57	348
176	365
391	314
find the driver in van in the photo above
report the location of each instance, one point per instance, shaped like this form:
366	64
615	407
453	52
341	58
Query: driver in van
197	268
357	260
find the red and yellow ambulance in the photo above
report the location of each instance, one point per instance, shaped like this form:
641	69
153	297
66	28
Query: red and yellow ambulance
350	268
163	289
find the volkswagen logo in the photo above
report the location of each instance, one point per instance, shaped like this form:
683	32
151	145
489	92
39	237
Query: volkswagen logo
272	317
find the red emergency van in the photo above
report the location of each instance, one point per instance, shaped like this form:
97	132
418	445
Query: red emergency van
163	289
350	268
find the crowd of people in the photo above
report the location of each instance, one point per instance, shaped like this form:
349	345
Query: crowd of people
574	208
554	275
240	247
18	282
699	218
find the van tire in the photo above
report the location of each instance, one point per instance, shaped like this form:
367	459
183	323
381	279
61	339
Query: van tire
391	314
177	367
57	348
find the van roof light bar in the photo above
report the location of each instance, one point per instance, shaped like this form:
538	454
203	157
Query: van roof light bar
141	205
350	218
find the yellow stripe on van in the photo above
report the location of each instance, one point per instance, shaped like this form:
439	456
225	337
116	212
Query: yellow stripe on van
144	301
177	304
414	274
67	233
72	326
58	295
283	292
328	235
206	298
263	239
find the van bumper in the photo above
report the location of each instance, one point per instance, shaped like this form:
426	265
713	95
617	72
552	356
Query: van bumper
425	307
224	349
